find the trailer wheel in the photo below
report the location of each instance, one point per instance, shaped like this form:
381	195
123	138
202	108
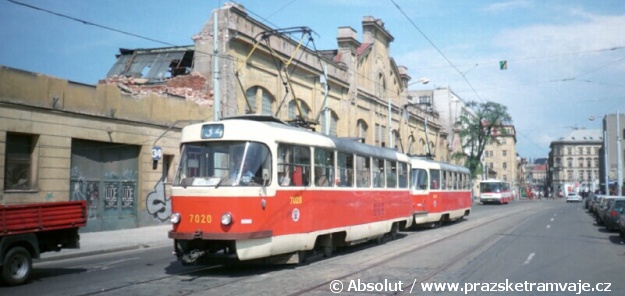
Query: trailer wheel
17	266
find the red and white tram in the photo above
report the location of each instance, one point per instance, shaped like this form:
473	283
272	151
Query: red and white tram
253	187
495	191
441	192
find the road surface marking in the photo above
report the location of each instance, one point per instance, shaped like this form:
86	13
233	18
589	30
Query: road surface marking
529	259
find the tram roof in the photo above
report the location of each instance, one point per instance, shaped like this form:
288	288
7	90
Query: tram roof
443	165
265	127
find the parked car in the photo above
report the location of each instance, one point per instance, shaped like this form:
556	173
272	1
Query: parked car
597	204
603	207
621	225
612	215
573	197
590	200
592	204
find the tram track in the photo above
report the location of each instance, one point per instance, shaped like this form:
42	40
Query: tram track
148	281
237	278
429	275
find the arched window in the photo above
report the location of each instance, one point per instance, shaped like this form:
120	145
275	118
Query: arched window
250	94
422	148
292	110
396	141
380	86
411	145
361	128
253	94
333	122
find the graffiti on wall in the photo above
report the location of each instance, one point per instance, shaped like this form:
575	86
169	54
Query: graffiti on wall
157	203
88	189
85	190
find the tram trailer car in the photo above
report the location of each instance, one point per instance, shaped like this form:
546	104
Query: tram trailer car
253	188
441	192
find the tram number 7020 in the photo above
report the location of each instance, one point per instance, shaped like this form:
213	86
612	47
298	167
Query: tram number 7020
201	219
296	200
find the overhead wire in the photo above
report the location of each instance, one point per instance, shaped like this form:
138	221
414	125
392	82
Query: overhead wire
462	74
228	57
91	23
438	50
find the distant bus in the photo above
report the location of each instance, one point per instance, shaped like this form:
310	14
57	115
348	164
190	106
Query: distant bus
495	191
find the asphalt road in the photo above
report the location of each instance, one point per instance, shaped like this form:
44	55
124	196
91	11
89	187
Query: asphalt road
534	242
561	244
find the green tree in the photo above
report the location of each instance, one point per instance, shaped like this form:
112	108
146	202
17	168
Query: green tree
478	129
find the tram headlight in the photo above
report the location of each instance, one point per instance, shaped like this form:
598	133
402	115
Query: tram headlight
226	219
174	218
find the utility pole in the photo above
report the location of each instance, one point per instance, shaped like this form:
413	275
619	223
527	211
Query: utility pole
605	161
619	165
216	99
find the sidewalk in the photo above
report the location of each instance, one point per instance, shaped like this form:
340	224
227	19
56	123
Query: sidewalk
92	243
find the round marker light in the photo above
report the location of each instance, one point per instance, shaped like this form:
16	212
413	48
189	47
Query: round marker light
226	219
174	218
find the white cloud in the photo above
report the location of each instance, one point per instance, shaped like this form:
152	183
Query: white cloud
509	5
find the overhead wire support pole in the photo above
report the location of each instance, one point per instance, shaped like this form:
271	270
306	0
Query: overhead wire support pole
619	164
216	97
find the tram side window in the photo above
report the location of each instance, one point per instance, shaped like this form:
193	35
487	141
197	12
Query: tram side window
463	181
324	167
293	165
345	163
402	172
443	181
460	181
378	173
363	167
435	181
420	179
391	174
454	180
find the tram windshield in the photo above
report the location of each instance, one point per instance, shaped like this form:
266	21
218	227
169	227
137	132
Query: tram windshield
224	163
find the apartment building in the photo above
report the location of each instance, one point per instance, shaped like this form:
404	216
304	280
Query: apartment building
500	156
574	161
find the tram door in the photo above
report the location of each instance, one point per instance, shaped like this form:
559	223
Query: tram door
419	188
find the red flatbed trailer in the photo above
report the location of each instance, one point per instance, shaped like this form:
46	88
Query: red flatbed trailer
27	230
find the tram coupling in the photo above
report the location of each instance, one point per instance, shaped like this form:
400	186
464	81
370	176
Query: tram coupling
191	257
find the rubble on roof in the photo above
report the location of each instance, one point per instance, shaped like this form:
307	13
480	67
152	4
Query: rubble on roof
190	87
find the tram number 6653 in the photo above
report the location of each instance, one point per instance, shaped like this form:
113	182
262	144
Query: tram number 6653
201	219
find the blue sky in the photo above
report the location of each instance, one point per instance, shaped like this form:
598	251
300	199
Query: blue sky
566	58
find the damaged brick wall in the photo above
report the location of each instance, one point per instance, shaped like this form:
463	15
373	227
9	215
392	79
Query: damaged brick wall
190	87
